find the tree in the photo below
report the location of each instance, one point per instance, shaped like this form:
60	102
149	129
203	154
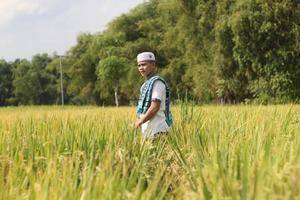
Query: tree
47	80
32	83
212	50
5	82
80	67
111	71
266	45
26	84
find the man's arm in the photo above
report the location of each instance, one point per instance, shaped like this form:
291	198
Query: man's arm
151	112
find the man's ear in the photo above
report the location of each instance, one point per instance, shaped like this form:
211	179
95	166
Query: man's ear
154	64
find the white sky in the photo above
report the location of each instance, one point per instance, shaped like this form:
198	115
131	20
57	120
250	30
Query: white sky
28	27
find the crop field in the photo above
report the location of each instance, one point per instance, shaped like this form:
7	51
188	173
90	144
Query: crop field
212	152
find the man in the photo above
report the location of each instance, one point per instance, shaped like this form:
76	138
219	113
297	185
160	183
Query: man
153	109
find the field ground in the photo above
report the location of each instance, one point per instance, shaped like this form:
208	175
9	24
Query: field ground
212	152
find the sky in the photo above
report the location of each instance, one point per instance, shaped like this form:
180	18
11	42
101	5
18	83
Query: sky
29	27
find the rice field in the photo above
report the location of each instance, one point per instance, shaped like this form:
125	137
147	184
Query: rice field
212	152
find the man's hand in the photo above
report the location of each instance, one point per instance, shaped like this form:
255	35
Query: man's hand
153	109
138	123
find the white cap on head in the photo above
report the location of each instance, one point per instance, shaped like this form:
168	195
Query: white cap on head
145	56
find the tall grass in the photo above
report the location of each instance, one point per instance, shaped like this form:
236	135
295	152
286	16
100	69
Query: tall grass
212	152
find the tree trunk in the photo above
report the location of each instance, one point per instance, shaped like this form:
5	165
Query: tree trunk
116	97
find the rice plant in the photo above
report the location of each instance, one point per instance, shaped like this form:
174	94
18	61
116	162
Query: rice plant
212	152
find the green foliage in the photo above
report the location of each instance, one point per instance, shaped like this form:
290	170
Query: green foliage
265	37
111	69
32	83
5	82
111	72
48	92
26	83
80	71
219	51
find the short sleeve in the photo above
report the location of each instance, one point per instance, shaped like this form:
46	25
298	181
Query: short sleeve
158	91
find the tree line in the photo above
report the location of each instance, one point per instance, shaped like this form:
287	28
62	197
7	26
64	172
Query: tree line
229	51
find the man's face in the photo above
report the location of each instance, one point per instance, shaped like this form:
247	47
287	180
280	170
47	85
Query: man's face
146	68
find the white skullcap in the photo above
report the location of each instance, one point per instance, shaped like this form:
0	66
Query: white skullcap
145	56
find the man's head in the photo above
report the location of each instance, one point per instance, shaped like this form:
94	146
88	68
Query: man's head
146	63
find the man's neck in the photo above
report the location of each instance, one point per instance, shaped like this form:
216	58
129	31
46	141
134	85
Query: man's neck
150	75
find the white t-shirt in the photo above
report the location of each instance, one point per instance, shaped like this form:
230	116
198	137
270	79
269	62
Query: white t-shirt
158	122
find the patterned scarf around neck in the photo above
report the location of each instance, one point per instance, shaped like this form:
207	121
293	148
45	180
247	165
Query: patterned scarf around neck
145	98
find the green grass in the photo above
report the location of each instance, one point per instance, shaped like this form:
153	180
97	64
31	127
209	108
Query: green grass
212	152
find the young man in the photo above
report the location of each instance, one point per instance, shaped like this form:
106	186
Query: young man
153	109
